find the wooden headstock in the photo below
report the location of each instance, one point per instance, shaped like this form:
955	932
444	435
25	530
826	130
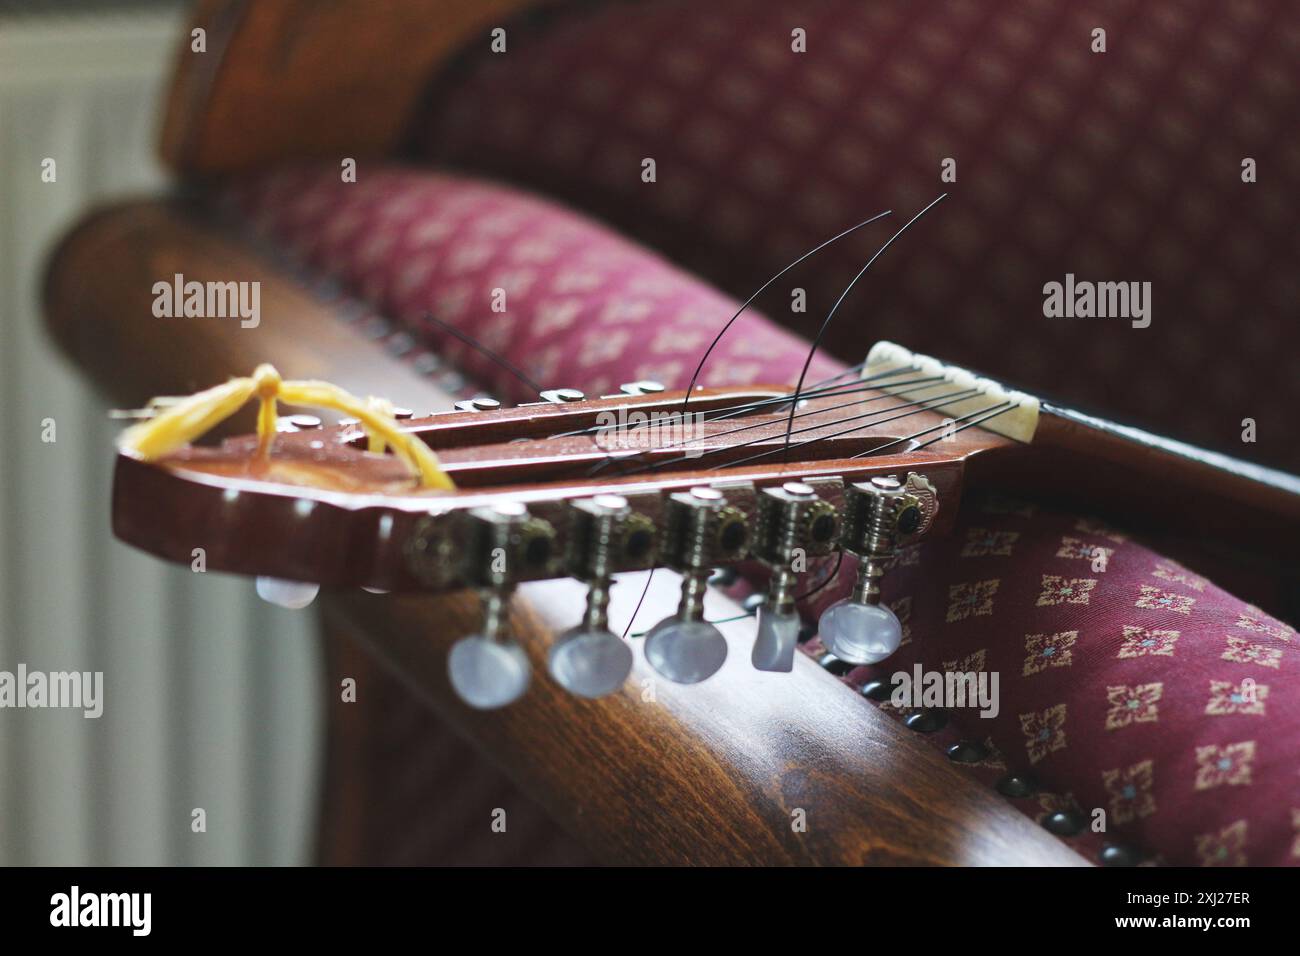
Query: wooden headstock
325	510
589	489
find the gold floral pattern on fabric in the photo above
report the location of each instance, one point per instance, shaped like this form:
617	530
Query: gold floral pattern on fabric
1242	651
970	663
1076	549
1173	574
1141	642
1243	697
1226	847
972	599
1133	705
1154	599
1254	621
1229	765
1059	590
1048	650
981	542
1044	731
1131	791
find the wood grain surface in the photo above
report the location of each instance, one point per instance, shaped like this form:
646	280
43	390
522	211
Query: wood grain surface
708	774
293	79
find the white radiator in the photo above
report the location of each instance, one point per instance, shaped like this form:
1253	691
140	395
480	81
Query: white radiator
210	696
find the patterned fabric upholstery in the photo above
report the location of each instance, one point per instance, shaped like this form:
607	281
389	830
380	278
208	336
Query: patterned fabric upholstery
1121	166
1124	685
1127	682
579	306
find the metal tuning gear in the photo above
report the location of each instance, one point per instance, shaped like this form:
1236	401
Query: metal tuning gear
700	531
489	669
793	525
590	660
877	515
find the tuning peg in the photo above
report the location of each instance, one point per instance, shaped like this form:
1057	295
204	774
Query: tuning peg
858	629
489	669
559	396
792	521
589	660
294	595
701	530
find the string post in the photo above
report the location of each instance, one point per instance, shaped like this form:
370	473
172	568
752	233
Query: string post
793	524
489	669
878	515
701	531
589	660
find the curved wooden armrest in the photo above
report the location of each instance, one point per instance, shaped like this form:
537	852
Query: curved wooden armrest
703	774
301	78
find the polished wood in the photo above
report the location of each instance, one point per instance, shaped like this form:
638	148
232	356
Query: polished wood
323	510
296	79
712	773
99	309
744	753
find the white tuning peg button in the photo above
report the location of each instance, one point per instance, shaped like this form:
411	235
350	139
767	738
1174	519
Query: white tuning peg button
590	662
778	634
294	595
487	674
686	652
860	633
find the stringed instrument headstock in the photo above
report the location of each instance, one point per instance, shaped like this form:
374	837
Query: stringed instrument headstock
591	488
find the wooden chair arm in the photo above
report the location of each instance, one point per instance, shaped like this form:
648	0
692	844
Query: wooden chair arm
705	774
301	78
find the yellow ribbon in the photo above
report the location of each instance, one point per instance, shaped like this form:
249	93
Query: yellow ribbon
189	418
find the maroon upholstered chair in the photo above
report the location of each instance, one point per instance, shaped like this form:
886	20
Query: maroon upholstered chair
1130	683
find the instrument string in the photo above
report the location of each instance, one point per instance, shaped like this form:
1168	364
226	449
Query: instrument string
970	392
763	288
949	399
817	340
817	390
483	350
798	598
998	409
921	383
918	406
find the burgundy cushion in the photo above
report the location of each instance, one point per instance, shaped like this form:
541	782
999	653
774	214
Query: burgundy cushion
1121	688
1127	683
1123	165
582	308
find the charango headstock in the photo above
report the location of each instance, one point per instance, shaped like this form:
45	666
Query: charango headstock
591	488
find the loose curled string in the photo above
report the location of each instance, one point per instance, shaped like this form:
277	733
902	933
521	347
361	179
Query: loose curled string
184	420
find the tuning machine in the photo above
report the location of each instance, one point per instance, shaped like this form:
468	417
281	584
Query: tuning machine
701	530
489	669
294	595
589	660
793	524
878	514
